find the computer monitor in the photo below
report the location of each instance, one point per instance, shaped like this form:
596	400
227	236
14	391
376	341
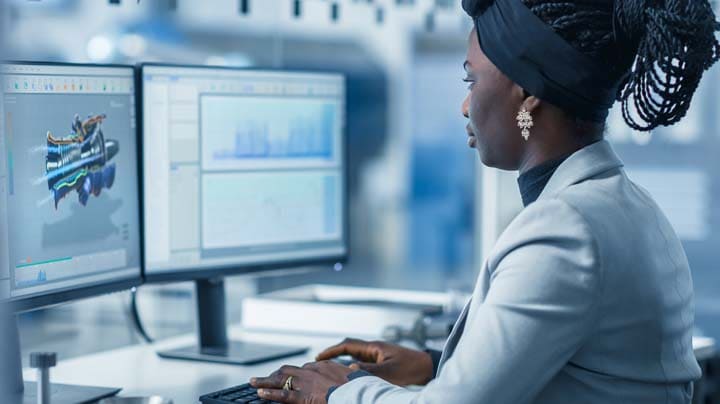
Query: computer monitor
69	189
244	171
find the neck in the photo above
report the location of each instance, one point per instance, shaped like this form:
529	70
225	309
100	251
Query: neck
543	148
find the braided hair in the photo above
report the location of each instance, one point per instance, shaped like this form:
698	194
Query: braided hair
659	49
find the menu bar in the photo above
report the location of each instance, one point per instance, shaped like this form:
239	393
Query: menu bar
227	85
61	84
69	70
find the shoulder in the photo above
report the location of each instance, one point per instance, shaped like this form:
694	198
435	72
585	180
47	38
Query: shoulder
550	220
548	234
550	253
605	198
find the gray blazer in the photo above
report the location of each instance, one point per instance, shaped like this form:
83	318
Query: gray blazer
585	298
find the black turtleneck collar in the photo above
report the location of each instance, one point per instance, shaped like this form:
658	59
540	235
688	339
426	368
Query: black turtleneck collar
533	181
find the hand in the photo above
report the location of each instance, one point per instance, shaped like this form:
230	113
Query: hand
397	365
310	384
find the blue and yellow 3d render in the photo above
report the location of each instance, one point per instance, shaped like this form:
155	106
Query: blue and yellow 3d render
80	161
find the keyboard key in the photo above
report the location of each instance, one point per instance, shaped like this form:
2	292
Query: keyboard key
243	394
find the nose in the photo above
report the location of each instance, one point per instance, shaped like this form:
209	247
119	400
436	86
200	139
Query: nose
466	107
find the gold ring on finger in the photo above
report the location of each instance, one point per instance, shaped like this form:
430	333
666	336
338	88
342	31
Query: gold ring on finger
288	383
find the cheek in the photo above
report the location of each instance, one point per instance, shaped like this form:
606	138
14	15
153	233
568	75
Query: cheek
493	118
487	111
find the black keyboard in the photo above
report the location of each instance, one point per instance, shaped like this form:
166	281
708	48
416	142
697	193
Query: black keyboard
243	394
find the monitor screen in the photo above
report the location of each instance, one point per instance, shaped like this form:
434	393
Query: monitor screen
69	192
242	168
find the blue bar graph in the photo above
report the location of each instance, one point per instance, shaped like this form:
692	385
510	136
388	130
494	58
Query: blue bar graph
235	130
306	138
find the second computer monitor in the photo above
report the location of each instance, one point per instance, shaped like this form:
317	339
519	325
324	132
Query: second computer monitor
243	169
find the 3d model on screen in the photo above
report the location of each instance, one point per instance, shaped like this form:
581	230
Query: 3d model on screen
80	161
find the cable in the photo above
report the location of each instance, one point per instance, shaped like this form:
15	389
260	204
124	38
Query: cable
136	320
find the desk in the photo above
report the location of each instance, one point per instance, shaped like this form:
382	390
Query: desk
140	372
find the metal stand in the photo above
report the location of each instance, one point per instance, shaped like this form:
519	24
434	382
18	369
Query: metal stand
214	345
135	316
16	392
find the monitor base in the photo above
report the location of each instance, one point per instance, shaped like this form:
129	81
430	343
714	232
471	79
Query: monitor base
236	353
64	394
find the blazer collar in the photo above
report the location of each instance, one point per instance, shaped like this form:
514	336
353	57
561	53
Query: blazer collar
585	163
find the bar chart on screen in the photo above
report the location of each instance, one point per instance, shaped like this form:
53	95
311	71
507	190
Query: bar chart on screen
274	155
238	131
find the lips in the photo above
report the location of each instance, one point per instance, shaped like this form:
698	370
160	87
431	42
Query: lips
472	140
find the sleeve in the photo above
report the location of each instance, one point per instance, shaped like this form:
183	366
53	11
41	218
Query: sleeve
545	281
352	376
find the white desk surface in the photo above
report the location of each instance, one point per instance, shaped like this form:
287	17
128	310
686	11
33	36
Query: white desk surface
140	372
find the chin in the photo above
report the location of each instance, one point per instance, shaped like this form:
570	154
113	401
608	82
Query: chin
486	157
494	160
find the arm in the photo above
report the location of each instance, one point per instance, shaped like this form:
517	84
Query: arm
541	306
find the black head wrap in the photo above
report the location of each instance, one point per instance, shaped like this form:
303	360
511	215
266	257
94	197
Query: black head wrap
663	48
532	55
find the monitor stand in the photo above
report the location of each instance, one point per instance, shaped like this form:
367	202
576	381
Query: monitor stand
15	391
214	345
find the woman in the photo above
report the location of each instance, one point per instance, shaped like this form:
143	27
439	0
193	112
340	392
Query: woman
587	295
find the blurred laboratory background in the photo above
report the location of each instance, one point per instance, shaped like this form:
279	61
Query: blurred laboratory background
422	210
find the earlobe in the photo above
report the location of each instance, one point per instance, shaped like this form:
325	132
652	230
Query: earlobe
527	101
531	103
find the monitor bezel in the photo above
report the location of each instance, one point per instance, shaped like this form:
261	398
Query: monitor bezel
235	269
20	304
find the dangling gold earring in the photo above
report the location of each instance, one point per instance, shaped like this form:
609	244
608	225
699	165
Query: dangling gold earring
525	122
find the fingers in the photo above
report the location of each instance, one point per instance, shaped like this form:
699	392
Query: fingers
338	350
353	347
275	380
281	396
270	382
334	350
